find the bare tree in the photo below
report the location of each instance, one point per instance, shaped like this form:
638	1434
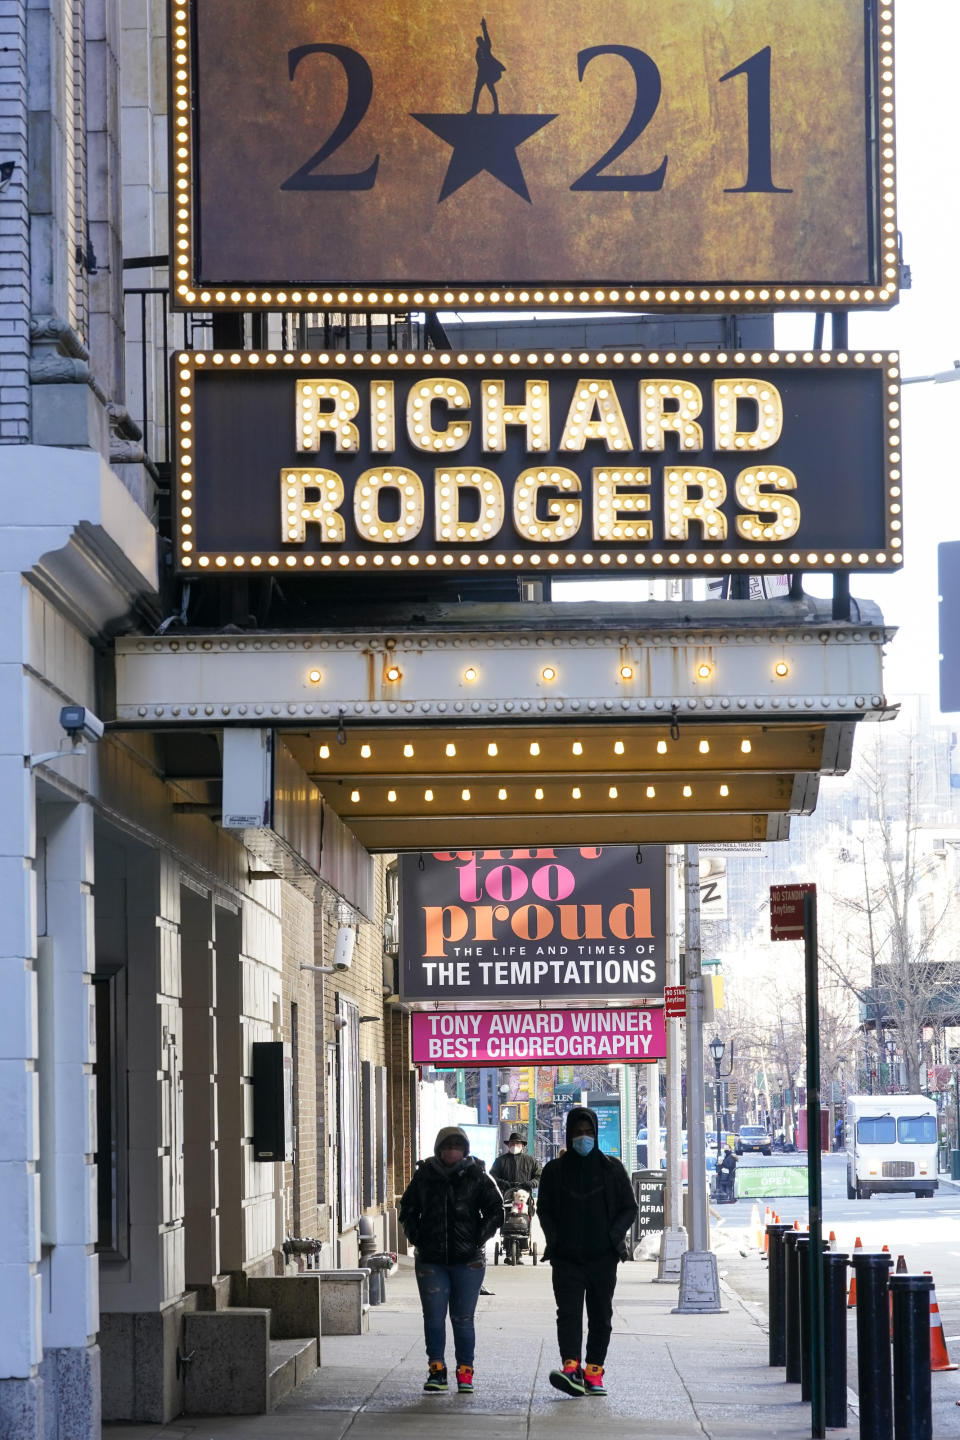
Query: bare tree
898	929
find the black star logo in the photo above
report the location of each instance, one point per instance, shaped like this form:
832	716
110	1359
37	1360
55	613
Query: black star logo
484	142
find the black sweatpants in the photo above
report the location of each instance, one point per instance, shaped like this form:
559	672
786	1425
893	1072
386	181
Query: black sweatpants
574	1282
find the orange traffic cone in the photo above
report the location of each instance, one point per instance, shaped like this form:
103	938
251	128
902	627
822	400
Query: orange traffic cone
852	1297
796	1224
939	1359
832	1241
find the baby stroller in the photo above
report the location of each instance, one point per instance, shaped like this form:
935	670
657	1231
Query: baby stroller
514	1242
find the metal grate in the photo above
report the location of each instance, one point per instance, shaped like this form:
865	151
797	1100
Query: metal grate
898	1169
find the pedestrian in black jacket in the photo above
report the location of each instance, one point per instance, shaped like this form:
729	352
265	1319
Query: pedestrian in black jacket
587	1206
449	1211
515	1167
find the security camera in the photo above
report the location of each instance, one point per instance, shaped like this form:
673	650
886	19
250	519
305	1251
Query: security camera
81	723
343	950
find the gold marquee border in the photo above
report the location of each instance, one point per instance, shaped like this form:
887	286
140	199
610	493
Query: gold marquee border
187	294
186	364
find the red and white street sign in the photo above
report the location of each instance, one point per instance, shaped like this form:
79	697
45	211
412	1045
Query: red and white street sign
786	910
675	1002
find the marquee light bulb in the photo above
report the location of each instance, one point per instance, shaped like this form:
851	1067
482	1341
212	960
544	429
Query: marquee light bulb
745	747
534	747
704	747
575	792
661	747
687	791
492	748
408	750
393	672
651	792
548	673
724	790
704	671
618	747
428	796
392	796
538	794
626	672
781	668
355	796
577	747
464	794
451	749
613	792
501	794
365	752
314	677
324	752
470	674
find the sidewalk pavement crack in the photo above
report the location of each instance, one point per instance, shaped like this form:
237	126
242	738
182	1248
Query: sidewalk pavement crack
376	1389
686	1390
533	1388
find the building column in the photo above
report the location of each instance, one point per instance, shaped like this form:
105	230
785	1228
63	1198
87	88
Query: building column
71	1311
21	1389
200	1179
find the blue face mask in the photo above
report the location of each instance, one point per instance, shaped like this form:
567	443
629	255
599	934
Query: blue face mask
583	1144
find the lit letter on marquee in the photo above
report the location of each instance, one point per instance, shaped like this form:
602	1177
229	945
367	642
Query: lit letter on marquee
614	496
366	505
534	413
679	508
749	492
768	408
420	402
567	511
448	487
327	407
297	511
595	397
686	403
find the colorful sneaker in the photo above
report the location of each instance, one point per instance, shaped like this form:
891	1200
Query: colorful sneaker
569	1379
437	1378
593	1380
465	1379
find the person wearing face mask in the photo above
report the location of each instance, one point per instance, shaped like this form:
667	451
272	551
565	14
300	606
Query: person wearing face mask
449	1211
587	1205
515	1167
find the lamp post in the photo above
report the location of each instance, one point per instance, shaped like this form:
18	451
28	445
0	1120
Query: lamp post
717	1047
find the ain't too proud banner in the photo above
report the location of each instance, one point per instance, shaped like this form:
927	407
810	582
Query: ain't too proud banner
567	923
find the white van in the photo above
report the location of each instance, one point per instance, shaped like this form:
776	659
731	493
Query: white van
891	1145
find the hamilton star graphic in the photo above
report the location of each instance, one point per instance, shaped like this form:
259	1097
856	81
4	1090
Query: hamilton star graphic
484	142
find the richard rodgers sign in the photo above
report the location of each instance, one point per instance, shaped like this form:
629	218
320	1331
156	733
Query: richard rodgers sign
570	923
386	463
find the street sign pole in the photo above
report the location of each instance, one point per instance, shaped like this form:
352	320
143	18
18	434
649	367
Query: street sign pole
818	1393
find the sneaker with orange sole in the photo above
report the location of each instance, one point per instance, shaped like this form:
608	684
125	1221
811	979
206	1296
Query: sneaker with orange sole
593	1380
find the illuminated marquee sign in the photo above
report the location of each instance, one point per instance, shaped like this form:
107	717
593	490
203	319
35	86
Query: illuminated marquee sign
564	923
548	1037
407	154
356	463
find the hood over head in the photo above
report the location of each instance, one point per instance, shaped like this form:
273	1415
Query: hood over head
579	1112
445	1132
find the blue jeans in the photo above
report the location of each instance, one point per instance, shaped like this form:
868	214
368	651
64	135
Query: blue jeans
455	1288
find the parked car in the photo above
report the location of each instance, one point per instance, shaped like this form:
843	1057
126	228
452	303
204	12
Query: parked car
752	1138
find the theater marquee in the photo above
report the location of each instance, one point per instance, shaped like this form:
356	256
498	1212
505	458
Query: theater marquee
408	154
544	924
359	463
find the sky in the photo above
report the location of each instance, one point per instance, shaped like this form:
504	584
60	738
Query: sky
925	328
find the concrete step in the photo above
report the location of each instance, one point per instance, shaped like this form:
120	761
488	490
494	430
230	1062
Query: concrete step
291	1362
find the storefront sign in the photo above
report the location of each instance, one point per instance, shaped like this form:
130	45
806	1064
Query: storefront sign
373	463
544	924
648	1186
513	1037
401	155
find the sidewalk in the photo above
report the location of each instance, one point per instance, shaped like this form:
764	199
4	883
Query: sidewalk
669	1376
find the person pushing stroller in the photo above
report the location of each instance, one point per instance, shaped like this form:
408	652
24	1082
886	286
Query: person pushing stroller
516	1170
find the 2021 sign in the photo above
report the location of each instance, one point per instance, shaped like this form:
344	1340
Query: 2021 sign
504	154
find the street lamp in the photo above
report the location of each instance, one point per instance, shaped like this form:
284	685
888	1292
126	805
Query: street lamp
717	1047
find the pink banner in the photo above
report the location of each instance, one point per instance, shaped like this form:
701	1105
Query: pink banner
472	1038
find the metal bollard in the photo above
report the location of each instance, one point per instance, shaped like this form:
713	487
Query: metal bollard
803	1277
835	1332
872	1273
912	1398
791	1291
776	1294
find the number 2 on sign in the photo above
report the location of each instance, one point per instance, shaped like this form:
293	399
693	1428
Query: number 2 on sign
359	78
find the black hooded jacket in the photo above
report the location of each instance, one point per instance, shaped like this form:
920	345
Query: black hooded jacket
586	1202
450	1212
